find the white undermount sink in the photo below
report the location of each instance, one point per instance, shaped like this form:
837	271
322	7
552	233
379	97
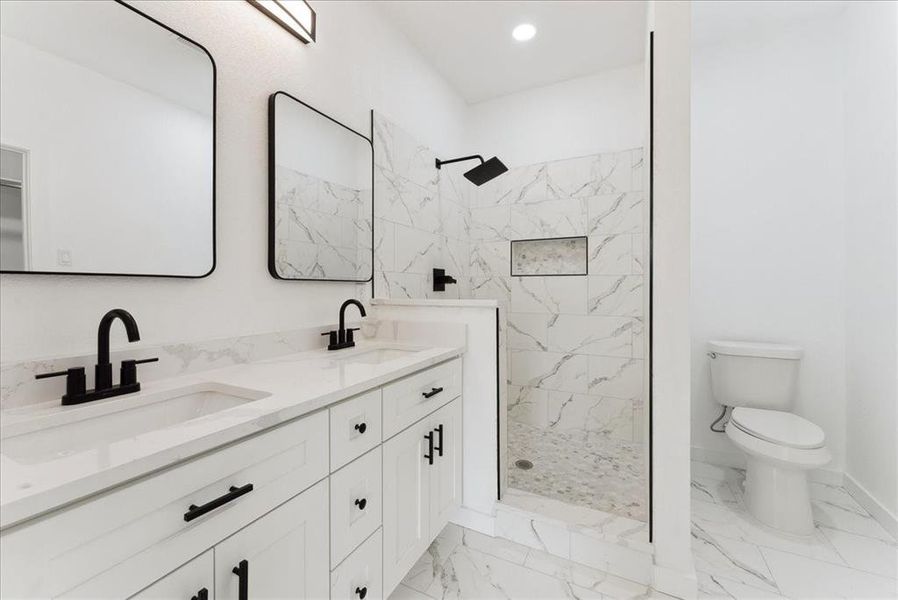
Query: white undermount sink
377	356
95	426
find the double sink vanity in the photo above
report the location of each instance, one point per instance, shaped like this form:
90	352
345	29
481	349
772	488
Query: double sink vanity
311	475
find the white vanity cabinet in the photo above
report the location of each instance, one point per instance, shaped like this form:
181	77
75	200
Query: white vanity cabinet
422	487
192	581
330	504
278	556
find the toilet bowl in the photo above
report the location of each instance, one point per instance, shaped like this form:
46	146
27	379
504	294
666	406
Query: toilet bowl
781	447
759	381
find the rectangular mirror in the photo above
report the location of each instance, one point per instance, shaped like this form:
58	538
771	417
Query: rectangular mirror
107	132
321	176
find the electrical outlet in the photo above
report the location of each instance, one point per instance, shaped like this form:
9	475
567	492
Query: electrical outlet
63	257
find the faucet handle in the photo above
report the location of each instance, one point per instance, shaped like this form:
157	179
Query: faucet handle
128	373
75	380
349	334
332	339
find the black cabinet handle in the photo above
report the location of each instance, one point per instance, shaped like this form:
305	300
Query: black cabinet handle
361	503
429	455
439	430
433	392
361	427
194	511
362	592
203	594
242	571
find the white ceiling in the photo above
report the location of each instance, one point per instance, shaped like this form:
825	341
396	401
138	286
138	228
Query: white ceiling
470	43
722	20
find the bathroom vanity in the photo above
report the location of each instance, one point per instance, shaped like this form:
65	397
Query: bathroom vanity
312	475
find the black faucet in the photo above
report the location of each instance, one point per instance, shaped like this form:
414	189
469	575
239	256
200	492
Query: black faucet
103	388
342	337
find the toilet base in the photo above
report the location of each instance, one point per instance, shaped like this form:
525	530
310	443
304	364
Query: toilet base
778	497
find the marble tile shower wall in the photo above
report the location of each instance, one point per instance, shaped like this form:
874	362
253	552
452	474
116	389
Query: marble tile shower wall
322	228
576	343
421	217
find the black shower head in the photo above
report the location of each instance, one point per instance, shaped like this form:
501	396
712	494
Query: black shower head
485	171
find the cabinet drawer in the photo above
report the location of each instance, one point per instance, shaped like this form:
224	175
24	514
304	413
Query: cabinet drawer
355	428
141	527
361	574
187	581
405	402
356	503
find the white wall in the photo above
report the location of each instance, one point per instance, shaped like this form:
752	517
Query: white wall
588	115
360	63
118	177
768	209
871	197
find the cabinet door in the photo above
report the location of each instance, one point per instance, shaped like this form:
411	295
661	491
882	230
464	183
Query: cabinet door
190	581
281	555
445	476
406	502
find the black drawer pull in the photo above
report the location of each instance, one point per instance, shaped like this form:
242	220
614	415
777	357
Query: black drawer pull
194	511
362	503
203	594
429	455
439	448
242	571
361	427
433	392
362	592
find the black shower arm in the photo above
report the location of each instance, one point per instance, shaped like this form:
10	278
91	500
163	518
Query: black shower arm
440	163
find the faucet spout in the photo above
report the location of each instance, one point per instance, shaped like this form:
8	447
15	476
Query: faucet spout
344	306
103	370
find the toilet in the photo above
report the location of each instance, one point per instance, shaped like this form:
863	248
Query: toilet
760	382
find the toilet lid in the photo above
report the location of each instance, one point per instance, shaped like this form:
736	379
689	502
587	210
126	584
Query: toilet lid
778	427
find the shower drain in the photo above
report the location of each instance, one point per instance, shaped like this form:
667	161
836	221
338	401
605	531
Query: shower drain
523	464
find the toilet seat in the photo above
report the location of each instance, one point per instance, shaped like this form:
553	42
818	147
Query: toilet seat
778	427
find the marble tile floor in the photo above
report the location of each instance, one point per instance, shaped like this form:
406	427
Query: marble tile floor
599	472
849	555
465	564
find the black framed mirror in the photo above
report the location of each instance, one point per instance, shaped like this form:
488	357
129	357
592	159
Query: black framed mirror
320	195
108	143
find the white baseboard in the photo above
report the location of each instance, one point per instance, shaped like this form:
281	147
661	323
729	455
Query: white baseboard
675	583
472	519
736	460
873	506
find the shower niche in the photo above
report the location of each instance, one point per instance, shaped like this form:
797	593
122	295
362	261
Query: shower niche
549	256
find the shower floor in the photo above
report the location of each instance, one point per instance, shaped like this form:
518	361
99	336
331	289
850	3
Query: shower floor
599	472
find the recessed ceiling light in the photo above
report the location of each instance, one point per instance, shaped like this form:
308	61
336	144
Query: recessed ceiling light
523	32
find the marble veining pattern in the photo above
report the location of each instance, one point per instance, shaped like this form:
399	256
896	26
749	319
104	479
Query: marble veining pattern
422	218
849	555
19	388
322	228
463	564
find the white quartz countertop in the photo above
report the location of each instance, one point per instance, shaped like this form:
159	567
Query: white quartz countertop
292	385
465	303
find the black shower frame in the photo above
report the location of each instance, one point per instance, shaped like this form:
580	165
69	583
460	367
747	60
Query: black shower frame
272	200
214	171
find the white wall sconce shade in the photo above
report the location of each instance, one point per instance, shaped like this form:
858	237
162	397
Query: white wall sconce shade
296	16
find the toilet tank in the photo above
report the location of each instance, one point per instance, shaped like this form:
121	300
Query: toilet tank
754	374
